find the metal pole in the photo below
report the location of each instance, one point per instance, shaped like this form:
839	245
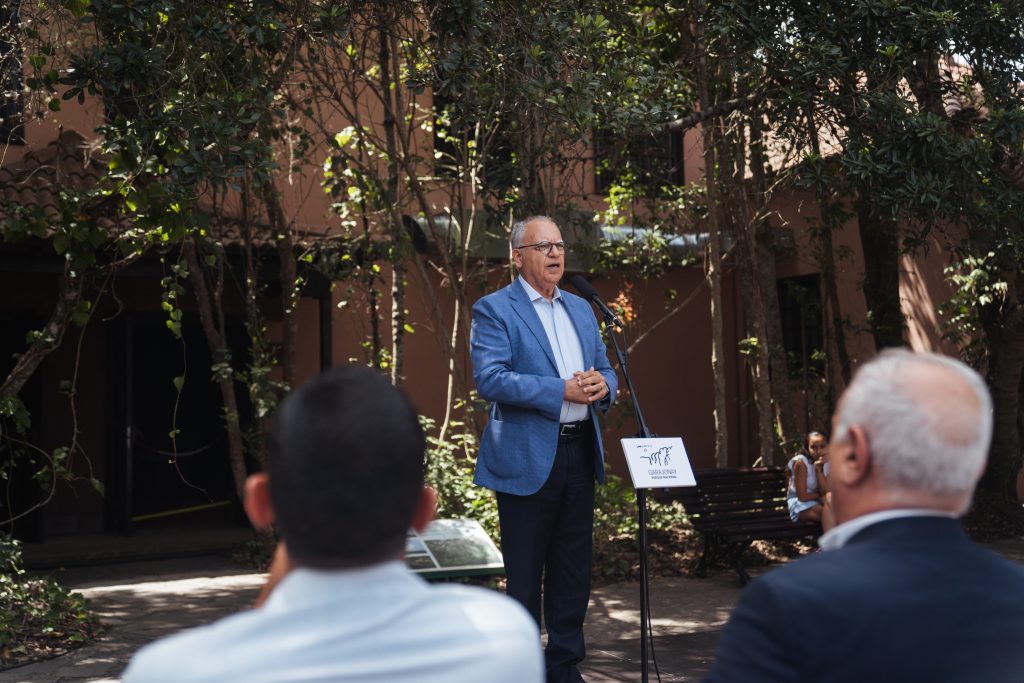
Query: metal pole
645	618
641	502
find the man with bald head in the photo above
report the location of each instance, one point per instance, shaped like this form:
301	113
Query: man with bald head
539	359
899	593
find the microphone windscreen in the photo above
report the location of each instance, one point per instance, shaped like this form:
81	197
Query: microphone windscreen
581	285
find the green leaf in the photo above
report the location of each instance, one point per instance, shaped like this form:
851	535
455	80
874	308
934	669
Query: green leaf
77	7
80	316
179	382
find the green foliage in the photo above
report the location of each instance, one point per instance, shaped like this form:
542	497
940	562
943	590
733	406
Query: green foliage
450	467
616	526
668	216
521	85
641	254
12	408
37	612
615	511
896	126
977	284
18	456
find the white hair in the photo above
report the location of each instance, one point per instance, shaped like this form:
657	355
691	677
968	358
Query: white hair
515	238
926	433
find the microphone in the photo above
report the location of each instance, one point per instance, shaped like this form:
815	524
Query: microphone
587	291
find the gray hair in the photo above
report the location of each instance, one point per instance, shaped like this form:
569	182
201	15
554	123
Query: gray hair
515	238
921	440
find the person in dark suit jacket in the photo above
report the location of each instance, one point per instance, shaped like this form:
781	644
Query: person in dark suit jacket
539	359
899	592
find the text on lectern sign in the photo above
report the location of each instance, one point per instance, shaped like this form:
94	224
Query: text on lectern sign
658	463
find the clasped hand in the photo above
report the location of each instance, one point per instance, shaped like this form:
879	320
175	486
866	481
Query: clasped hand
585	387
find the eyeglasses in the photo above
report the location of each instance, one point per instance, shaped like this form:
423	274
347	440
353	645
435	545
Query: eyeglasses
544	247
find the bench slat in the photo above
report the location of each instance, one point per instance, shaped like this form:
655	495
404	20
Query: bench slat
739	506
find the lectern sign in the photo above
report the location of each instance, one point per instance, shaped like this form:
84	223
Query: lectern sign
658	463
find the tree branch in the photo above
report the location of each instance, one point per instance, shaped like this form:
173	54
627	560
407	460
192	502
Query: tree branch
721	109
53	333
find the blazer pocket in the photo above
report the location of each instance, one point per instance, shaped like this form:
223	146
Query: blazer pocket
505	441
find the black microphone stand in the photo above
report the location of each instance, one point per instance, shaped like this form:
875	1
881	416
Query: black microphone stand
641	503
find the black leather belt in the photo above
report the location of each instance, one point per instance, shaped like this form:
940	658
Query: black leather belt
570	430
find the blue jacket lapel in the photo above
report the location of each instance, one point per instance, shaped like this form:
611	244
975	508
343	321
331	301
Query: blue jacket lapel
522	305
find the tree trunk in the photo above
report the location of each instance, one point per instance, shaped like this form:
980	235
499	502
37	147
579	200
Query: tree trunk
831	219
764	244
399	237
827	263
712	176
717	340
753	296
1020	430
52	334
759	365
258	346
398	322
212	321
376	343
778	367
880	241
288	277
1004	337
714	268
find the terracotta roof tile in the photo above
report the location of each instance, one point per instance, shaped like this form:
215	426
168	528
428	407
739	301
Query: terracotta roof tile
69	161
36	179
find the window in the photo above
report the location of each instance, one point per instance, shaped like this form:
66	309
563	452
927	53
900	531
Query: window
499	167
12	128
655	159
802	333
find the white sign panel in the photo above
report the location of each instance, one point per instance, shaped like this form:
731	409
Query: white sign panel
658	463
452	547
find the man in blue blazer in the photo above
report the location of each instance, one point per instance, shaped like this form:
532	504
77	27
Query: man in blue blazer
899	592
539	359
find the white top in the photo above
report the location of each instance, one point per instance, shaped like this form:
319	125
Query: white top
565	344
812	475
373	625
839	535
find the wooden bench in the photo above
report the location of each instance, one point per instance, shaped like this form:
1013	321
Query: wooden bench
732	507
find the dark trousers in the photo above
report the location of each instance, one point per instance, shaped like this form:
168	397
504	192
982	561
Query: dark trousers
548	534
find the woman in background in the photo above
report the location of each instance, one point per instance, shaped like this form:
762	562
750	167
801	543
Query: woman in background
807	494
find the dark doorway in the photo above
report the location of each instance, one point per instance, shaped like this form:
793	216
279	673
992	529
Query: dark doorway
20	490
802	328
174	468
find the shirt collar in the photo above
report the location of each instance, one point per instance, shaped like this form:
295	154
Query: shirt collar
840	535
533	293
307	585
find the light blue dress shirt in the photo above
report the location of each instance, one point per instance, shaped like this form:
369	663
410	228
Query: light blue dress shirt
565	344
379	624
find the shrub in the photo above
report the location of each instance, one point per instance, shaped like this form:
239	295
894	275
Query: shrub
450	466
38	618
616	526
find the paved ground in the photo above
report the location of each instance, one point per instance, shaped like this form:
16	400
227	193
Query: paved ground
142	601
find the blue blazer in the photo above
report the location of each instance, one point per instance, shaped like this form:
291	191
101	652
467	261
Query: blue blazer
907	599
514	368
